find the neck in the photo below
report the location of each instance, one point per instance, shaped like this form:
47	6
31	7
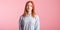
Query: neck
29	12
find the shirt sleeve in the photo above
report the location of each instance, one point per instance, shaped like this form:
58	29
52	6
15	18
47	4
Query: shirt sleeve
37	23
20	23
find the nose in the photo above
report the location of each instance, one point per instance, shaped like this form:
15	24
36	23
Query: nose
28	7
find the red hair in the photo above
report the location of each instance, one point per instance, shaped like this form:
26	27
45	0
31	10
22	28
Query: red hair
33	9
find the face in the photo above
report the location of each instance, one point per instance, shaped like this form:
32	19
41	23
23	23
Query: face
29	7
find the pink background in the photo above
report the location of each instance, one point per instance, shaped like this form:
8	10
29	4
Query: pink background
11	10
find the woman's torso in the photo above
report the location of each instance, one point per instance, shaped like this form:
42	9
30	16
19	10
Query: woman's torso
28	22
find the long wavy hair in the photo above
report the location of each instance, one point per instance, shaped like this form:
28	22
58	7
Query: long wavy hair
33	9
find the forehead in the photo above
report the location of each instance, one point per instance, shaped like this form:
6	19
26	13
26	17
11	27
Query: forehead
29	3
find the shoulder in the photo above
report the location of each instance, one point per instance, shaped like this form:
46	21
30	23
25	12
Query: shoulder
36	16
21	17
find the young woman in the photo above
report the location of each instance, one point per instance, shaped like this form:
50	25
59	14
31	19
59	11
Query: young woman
29	20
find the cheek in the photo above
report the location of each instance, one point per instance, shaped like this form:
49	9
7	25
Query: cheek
27	7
